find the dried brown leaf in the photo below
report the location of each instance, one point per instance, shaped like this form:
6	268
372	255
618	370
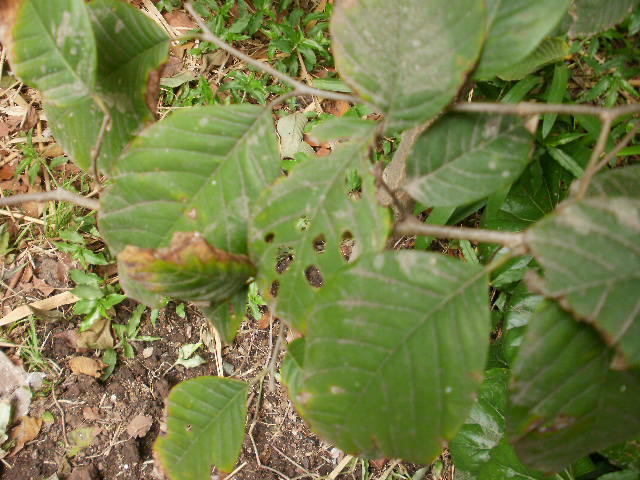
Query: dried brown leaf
26	431
97	337
86	366
139	426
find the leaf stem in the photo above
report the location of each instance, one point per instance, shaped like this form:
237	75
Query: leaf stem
592	166
512	240
300	87
58	195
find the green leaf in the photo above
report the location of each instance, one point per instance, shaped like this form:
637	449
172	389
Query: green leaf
291	370
228	316
626	455
484	428
54	49
189	269
534	195
384	376
303	220
566	161
504	463
463	158
620	182
516	28
590	253
551	50
565	400
198	170
595	16
408	57
130	46
205	427
623	475
555	94
520	309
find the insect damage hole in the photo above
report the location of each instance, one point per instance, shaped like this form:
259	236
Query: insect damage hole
314	276
347	245
269	237
319	243
284	259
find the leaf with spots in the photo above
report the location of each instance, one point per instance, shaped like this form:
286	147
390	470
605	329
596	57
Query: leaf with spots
515	29
189	269
408	57
590	252
395	354
53	49
574	405
305	223
464	158
131	48
195	171
205	427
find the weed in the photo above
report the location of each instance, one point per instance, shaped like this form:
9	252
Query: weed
97	298
128	333
75	244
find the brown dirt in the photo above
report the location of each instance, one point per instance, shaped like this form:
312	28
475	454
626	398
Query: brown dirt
276	434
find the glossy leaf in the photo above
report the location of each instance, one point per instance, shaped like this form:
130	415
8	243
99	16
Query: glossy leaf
130	47
590	252
189	269
408	57
573	405
595	16
463	158
396	350
484	428
301	223
519	311
516	28
228	316
551	50
205	427
198	170
504	463
54	49
625	455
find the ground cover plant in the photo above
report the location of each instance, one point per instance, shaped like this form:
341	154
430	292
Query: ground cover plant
508	334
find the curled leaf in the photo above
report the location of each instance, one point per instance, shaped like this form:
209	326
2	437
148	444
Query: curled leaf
26	431
189	269
86	366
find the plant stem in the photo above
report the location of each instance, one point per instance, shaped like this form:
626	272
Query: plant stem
58	195
412	226
531	108
300	87
592	166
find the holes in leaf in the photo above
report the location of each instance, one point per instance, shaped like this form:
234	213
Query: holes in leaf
275	288
302	224
284	259
319	244
353	181
347	245
269	237
314	276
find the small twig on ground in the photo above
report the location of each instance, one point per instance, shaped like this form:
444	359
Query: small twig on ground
275	353
58	195
338	470
300	87
62	418
235	472
411	226
388	471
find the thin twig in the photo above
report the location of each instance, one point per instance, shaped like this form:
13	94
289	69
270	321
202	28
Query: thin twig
300	87
412	226
592	166
623	143
58	195
380	182
62	419
275	353
530	108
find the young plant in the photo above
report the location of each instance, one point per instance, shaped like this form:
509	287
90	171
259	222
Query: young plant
519	350
97	298
75	244
128	333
